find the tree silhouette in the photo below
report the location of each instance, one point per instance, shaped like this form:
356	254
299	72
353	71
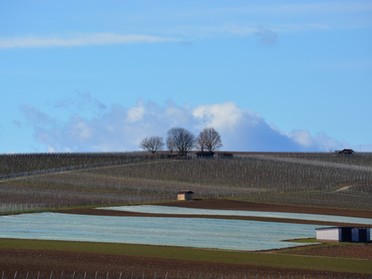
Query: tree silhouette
180	139
209	139
152	144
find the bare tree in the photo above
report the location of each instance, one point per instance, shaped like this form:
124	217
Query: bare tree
180	139
152	144
170	144
209	139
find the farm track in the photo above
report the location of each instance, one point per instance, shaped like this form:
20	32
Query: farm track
309	162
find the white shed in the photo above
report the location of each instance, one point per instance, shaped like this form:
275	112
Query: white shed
328	234
185	195
344	234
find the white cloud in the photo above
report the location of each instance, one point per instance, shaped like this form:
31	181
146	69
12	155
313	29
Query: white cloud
135	114
302	137
220	116
82	131
121	129
80	40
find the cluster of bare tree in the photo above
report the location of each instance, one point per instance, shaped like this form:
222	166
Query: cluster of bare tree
183	141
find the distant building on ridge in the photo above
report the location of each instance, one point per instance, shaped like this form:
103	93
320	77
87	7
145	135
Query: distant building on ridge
345	151
205	154
185	195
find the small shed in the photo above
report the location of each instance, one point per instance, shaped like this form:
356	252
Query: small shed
345	151
185	195
205	154
344	234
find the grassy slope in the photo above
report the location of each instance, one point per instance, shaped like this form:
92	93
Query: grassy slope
244	258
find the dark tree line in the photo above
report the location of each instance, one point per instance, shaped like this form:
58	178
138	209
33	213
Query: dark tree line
183	141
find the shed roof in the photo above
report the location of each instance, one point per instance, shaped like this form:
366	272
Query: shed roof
330	228
185	192
346	151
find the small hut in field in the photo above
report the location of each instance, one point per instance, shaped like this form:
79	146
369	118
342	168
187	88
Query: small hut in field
185	195
344	234
205	154
346	152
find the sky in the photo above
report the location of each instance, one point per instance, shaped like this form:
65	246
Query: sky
99	76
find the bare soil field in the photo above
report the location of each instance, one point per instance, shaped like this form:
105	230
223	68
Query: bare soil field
110	266
353	251
252	206
236	205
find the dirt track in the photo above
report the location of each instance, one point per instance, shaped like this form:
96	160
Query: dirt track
12	260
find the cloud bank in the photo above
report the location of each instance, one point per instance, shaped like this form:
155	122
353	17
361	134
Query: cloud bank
80	40
120	128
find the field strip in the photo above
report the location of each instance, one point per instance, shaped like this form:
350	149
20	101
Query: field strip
99	212
315	163
158	209
201	255
45	172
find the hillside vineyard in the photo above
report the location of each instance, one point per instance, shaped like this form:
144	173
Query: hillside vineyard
39	181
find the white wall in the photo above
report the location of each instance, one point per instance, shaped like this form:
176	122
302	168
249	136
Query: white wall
328	234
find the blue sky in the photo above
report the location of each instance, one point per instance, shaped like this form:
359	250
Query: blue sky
268	75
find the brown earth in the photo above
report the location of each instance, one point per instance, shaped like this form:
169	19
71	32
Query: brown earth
238	205
252	206
355	251
93	265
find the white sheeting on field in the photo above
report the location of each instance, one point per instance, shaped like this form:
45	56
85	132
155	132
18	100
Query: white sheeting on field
189	232
196	211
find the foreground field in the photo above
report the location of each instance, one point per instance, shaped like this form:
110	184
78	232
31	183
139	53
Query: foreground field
52	256
318	183
329	260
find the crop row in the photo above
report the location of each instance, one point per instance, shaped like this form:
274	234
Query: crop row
358	158
34	163
259	274
24	163
254	177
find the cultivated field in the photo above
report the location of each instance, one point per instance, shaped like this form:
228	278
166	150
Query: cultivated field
70	180
291	182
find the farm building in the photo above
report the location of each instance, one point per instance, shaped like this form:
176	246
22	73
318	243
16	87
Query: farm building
344	234
185	195
205	154
345	151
